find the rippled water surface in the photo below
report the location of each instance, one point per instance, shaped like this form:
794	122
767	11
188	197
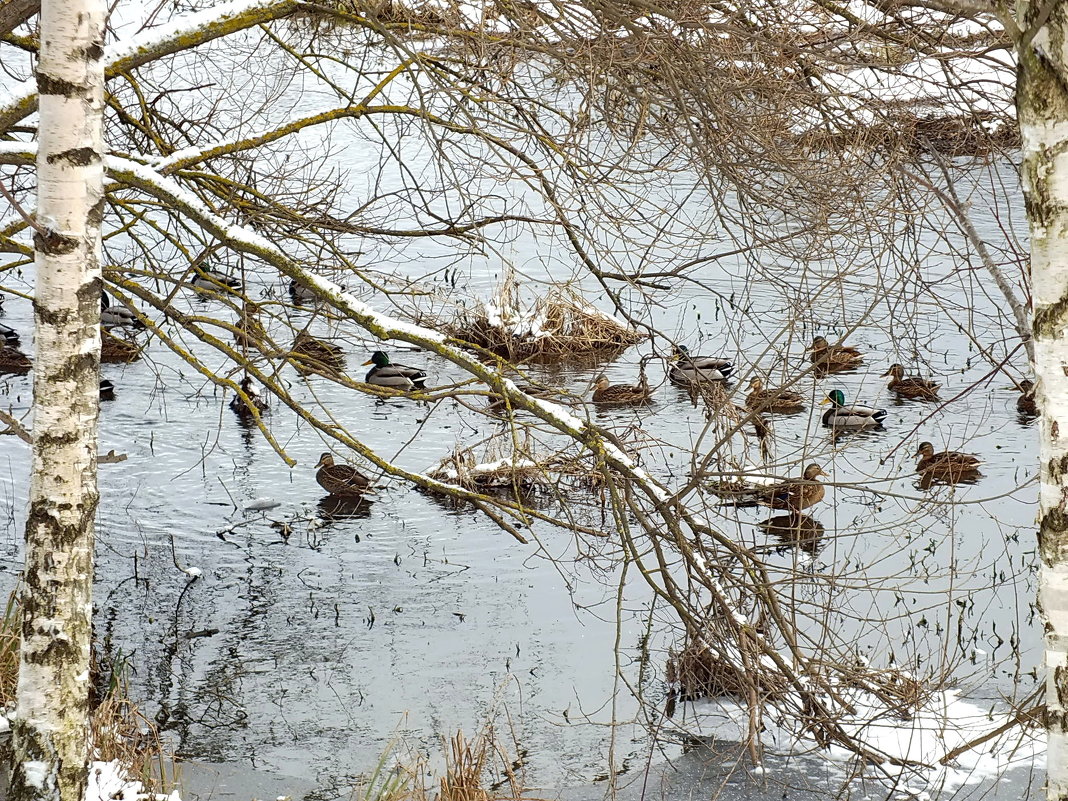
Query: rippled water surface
314	639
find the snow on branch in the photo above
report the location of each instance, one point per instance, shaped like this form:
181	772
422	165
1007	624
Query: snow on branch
183	33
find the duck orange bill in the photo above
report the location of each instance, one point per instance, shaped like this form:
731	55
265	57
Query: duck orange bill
825	401
369	361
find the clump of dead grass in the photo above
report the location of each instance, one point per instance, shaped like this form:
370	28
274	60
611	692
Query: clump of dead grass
475	769
120	731
502	462
558	325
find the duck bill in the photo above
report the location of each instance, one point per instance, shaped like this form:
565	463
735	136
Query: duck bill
825	401
887	373
369	361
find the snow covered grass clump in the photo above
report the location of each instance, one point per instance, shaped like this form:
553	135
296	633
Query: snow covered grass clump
558	325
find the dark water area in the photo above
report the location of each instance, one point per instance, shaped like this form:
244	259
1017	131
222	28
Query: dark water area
314	638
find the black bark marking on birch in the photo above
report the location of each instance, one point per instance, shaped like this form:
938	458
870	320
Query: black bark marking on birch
47	85
1049	319
94	52
1054	520
94	219
55	244
76	156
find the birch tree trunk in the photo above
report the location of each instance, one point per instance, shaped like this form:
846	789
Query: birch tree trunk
51	730
1042	105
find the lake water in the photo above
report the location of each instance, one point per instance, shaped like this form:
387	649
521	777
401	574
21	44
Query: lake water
312	641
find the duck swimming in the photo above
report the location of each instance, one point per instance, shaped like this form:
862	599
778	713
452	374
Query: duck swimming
686	369
117	316
620	394
395	376
341	480
945	465
832	358
913	387
782	401
255	403
841	415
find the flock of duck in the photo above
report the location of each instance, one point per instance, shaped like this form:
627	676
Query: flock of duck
933	466
311	354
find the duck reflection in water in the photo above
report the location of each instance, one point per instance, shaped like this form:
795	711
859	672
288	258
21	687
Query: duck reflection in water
332	508
795	530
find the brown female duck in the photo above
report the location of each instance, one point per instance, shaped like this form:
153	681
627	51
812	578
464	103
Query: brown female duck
314	355
116	350
913	387
782	401
12	360
795	495
620	394
1025	404
831	358
341	480
945	465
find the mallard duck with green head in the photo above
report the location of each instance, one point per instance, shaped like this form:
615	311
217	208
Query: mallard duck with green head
913	387
341	480
687	369
395	376
843	415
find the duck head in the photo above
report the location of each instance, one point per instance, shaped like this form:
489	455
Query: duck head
925	449
326	460
818	344
813	471
896	371
835	397
379	359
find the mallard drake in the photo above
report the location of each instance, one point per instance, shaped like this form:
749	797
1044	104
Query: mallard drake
606	393
255	403
914	387
341	480
686	369
842	416
783	401
9	336
795	495
206	280
1025	404
397	376
107	390
317	354
12	360
117	316
301	294
833	357
116	350
945	465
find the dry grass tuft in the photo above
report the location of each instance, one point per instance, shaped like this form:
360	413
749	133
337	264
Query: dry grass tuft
119	730
475	769
500	463
556	326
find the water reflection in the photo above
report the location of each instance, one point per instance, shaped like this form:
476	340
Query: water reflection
795	530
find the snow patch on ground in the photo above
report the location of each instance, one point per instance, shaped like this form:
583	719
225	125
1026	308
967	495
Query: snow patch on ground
923	738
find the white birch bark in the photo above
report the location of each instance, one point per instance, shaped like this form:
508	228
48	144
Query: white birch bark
51	730
1042	102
